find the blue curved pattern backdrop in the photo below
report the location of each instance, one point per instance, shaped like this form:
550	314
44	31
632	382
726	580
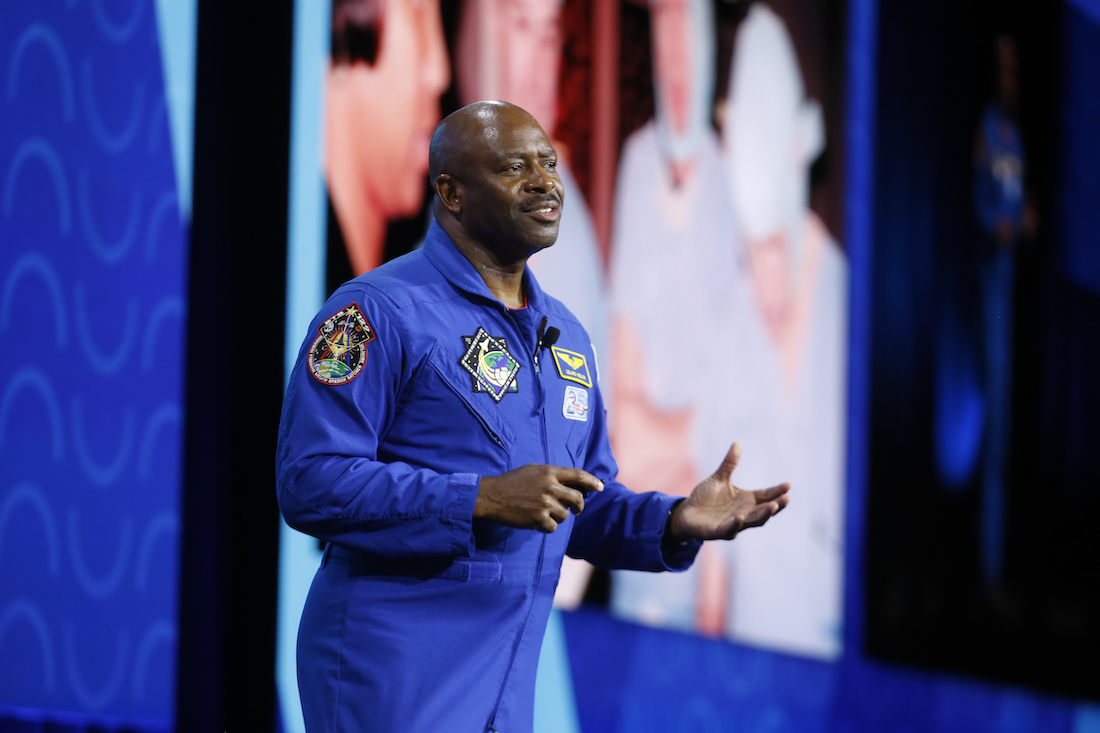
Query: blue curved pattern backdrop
92	311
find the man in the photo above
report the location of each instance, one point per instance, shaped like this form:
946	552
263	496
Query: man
422	437
1005	217
791	323
768	300
389	67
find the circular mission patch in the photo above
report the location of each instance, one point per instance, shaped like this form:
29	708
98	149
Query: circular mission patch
340	350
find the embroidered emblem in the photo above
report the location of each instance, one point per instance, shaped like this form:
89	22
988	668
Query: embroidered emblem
339	353
572	366
490	364
575	405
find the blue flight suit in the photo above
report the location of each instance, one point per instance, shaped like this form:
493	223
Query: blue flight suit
413	383
998	197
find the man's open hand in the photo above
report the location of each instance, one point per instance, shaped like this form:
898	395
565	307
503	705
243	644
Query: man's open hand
534	497
717	509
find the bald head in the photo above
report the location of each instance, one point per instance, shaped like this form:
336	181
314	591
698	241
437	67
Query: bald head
467	129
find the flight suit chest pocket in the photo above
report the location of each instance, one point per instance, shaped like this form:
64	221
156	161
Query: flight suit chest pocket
568	422
473	439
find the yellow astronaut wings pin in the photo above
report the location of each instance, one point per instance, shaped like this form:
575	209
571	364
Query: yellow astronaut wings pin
572	366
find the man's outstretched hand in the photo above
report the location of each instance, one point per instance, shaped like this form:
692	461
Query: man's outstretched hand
718	510
534	497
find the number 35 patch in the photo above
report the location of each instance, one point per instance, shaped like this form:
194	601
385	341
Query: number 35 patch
575	405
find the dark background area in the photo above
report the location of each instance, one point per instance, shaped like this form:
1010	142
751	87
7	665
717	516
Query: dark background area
926	603
230	545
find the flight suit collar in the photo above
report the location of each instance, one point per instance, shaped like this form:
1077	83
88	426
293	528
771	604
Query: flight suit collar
460	272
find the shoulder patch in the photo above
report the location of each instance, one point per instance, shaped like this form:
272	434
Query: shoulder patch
489	362
572	366
340	351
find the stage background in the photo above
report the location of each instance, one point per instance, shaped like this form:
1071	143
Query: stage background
106	624
95	149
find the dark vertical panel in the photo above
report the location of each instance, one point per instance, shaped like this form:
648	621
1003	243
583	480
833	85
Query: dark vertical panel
927	600
234	376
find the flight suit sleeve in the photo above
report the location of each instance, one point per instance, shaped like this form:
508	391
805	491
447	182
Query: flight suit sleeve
620	529
341	398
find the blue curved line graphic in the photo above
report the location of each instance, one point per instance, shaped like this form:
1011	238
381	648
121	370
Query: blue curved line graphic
165	205
169	305
108	253
28	493
161	632
97	474
38	147
22	607
29	376
105	364
33	262
104	587
117	32
43	34
157	122
112	142
165	522
165	414
96	700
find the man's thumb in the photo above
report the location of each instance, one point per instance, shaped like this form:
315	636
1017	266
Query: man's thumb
733	457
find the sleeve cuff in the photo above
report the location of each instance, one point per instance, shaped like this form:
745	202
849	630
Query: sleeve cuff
676	555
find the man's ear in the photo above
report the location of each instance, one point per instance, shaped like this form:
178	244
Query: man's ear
449	191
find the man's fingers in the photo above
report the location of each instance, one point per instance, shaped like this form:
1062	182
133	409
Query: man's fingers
546	524
558	512
577	479
733	457
763	495
571	499
762	513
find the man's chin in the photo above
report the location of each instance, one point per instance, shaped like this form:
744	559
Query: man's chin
546	240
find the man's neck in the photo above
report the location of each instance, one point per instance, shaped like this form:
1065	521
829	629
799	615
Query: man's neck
503	278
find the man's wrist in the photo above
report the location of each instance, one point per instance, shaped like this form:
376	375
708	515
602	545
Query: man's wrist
671	536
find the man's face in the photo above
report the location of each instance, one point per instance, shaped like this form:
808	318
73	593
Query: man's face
672	40
530	41
396	105
769	268
513	195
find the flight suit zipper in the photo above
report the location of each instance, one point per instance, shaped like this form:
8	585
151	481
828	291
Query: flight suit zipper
541	414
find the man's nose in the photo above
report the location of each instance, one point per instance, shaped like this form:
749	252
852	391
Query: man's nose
541	180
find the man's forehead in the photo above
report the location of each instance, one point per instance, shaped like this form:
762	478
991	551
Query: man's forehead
506	135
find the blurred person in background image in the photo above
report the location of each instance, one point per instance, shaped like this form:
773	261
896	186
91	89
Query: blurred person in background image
763	288
790	347
672	231
1005	217
511	50
389	67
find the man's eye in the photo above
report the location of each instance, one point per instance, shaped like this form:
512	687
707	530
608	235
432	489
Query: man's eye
552	164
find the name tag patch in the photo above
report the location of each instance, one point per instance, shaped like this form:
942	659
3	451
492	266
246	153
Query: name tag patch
575	405
572	366
340	351
490	365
